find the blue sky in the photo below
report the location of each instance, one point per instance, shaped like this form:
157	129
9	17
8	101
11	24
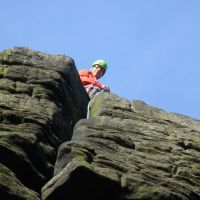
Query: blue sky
151	46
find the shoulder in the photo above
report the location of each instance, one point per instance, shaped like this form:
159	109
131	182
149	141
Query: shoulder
84	72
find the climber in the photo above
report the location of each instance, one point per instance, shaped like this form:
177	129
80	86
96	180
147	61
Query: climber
89	78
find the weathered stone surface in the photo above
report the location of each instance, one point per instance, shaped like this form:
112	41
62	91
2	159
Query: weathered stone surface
41	98
12	188
137	151
124	151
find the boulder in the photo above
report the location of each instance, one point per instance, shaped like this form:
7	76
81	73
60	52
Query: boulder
41	98
128	150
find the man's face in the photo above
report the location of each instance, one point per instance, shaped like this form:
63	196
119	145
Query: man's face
97	71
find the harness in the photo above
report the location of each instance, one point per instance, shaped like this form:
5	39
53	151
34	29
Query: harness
92	90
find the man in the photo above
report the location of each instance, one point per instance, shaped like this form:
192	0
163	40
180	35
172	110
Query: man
89	78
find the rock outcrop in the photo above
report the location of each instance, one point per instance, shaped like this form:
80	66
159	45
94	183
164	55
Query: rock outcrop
124	150
127	151
41	98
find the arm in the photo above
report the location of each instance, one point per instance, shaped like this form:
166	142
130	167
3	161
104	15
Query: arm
87	78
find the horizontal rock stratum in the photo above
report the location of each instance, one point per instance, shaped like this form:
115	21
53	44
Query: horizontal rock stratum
124	150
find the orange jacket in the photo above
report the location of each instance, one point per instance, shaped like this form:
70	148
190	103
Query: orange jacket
88	78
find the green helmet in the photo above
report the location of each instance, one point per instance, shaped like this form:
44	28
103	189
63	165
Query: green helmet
101	63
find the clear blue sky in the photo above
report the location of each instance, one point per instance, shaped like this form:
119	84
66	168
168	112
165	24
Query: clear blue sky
152	46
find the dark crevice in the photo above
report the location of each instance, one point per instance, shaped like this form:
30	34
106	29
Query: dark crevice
16	163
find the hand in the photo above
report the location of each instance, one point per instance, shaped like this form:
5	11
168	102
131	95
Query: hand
106	88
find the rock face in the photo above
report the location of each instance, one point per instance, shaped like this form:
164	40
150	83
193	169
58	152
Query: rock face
127	151
41	98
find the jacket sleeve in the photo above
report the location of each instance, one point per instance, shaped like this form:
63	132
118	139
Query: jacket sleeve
98	84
